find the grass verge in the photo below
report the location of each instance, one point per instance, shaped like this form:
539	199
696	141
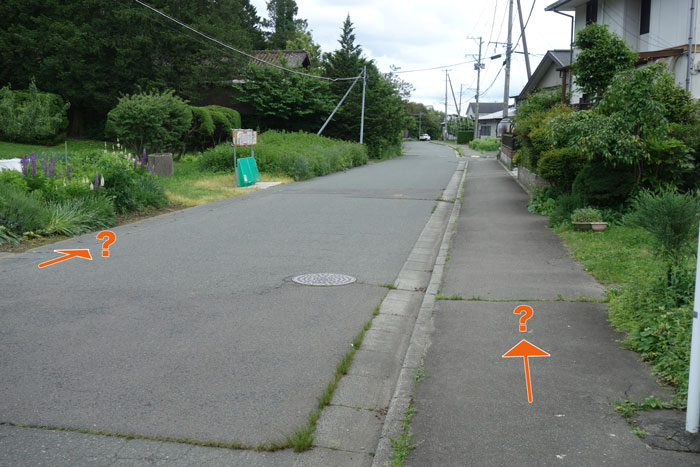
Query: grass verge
653	308
191	187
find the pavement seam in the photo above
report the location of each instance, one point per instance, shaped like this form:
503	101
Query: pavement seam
420	340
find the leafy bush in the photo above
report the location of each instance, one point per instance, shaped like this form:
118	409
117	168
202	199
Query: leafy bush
490	143
672	220
565	205
542	202
211	125
78	216
657	313
600	184
150	121
21	211
560	167
298	155
602	54
465	136
31	116
586	215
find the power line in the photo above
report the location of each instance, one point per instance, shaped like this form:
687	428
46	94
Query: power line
493	23
435	68
240	51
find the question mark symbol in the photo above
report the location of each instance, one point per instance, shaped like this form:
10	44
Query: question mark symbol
110	238
523	317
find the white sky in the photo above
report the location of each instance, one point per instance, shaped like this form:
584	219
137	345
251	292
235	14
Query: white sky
414	34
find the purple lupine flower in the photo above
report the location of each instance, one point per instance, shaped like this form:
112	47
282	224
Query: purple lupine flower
23	162
97	179
135	162
153	172
52	171
143	158
68	172
33	167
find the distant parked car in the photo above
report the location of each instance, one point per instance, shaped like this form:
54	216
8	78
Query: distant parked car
424	137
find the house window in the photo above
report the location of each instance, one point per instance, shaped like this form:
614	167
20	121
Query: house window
646	16
485	130
592	12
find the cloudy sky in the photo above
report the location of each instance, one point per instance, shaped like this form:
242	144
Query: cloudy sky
413	34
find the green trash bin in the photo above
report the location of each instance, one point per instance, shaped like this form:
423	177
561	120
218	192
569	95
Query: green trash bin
248	172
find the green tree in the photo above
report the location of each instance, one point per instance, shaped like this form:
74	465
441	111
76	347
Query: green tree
645	122
284	100
150	121
92	51
303	40
281	22
601	56
384	112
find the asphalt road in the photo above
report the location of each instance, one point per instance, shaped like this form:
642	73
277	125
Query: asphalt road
192	327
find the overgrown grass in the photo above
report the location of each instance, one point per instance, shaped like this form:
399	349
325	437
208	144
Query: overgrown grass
654	308
190	187
297	155
489	143
13	150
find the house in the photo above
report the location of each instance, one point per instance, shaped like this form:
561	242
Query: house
488	123
485	109
288	58
551	73
657	29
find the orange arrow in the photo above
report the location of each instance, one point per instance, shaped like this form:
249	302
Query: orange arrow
526	350
68	255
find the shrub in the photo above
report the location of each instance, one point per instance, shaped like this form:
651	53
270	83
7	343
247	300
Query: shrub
31	116
600	184
542	202
586	215
77	216
671	218
465	136
490	143
152	121
565	205
21	211
560	167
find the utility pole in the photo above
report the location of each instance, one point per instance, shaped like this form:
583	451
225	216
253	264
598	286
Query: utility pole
444	128
362	119
522	33
420	118
690	44
478	66
509	46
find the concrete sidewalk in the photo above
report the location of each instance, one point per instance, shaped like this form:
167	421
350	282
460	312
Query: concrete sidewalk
473	408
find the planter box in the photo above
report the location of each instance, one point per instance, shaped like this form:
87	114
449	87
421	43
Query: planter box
595	226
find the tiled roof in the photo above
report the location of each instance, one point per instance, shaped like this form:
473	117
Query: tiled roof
292	58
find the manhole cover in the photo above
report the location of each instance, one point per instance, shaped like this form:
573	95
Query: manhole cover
323	278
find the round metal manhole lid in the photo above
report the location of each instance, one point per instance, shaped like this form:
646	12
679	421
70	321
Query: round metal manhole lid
323	279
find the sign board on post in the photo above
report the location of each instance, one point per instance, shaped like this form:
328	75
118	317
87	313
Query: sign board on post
242	137
245	137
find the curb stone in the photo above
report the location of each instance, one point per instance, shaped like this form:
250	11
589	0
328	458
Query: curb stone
420	341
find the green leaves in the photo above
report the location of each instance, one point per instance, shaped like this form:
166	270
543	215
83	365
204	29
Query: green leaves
150	121
601	56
